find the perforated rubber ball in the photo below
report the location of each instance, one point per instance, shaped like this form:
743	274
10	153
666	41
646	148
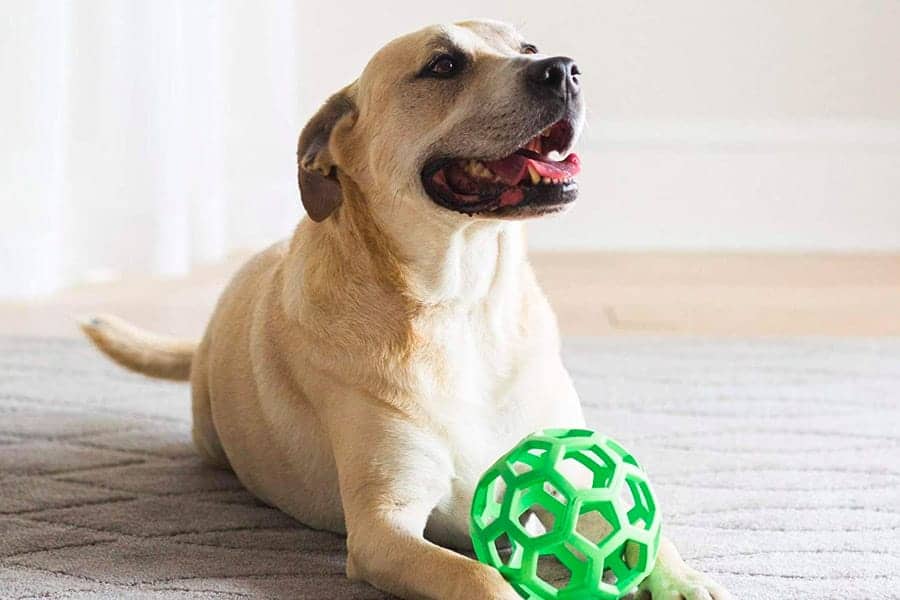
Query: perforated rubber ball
567	514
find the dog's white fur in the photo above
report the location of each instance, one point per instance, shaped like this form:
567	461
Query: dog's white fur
362	376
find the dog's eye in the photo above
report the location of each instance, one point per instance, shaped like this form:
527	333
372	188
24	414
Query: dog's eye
529	49
443	66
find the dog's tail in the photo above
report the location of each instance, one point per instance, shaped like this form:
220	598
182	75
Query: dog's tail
139	350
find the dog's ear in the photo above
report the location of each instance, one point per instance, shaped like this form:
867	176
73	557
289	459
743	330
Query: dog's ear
320	189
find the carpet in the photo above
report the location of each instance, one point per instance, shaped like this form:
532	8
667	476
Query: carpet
777	465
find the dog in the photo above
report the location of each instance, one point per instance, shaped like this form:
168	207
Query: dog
362	375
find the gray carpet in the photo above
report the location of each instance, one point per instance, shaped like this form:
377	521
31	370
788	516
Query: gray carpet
777	465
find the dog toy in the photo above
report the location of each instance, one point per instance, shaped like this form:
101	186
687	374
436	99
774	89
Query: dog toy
567	514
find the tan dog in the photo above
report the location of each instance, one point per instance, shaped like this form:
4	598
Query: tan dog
362	376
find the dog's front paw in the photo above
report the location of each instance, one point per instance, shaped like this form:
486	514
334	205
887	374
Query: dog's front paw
681	583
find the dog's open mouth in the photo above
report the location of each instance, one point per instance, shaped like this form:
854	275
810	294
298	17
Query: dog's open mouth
528	178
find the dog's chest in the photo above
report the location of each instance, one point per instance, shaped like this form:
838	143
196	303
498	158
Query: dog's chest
473	440
478	386
468	373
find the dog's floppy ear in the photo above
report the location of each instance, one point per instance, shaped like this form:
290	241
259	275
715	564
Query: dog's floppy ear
320	189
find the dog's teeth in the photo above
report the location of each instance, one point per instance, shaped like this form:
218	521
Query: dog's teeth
546	180
547	132
478	169
535	176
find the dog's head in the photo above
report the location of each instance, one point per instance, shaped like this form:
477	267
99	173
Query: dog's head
466	119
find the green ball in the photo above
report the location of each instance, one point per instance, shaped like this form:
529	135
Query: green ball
567	514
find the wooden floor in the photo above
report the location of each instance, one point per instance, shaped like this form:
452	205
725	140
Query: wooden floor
593	293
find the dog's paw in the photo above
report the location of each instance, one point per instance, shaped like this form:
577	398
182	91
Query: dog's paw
682	583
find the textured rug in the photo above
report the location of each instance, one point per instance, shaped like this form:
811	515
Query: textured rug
777	465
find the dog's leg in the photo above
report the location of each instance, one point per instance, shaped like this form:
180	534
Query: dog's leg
672	579
388	551
392	475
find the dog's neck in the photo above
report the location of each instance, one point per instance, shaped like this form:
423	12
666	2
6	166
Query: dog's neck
429	259
456	262
477	262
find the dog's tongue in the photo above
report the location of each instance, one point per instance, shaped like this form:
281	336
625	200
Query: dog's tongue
514	168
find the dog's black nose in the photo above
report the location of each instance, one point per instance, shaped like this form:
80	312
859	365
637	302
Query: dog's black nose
558	75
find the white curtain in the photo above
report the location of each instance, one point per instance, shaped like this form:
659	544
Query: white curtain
143	137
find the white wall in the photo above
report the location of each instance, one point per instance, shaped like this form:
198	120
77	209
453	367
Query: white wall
143	137
729	124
